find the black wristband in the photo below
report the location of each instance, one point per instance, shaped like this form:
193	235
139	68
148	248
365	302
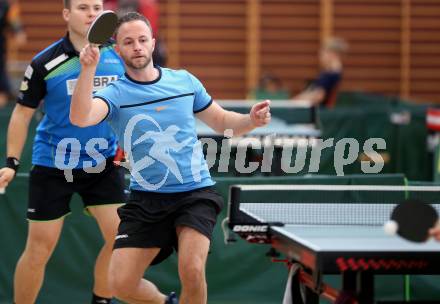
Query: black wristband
13	163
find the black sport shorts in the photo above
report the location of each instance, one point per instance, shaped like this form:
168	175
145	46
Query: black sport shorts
50	193
149	219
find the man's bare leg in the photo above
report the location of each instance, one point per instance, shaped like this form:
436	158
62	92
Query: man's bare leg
127	269
193	253
29	273
108	221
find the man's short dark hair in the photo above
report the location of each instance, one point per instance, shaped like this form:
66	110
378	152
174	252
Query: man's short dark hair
67	3
132	16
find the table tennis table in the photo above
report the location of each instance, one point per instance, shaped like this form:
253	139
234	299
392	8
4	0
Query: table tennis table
271	139
277	132
330	229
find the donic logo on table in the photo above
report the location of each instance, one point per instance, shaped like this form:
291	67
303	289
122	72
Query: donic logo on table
250	228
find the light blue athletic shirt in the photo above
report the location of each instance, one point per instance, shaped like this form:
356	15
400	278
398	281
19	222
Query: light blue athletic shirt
155	124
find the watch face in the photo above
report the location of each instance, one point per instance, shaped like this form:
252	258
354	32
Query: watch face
12	163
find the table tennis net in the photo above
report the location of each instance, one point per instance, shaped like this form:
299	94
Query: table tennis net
325	204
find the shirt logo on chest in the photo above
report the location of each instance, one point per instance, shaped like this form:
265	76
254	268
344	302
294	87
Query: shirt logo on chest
99	82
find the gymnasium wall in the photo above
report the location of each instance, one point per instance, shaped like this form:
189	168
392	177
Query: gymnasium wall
228	44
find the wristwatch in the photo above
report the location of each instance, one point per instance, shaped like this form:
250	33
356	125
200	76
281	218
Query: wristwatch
13	163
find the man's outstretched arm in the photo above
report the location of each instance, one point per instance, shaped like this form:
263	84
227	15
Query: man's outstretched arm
84	110
315	96
220	119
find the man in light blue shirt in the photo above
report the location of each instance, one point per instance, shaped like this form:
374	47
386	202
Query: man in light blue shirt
172	203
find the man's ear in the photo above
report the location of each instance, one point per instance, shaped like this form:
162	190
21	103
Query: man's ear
154	43
117	49
66	13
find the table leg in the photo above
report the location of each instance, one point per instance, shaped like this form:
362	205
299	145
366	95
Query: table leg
360	284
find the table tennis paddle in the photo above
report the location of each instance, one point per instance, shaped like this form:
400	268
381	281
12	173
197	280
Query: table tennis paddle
412	220
102	28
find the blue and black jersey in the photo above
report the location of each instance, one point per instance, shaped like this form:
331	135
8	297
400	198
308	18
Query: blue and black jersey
50	79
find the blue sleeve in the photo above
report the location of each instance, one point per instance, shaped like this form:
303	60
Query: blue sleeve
202	99
110	94
327	80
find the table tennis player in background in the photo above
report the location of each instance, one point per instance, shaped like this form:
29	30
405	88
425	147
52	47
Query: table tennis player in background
322	90
269	87
172	201
51	76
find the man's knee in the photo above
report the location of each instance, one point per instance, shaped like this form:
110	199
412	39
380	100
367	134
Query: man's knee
121	283
122	286
119	286
108	221
109	231
108	245
38	253
192	273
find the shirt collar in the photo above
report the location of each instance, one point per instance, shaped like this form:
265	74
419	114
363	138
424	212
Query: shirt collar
68	46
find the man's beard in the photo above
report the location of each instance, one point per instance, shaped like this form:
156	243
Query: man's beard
137	66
